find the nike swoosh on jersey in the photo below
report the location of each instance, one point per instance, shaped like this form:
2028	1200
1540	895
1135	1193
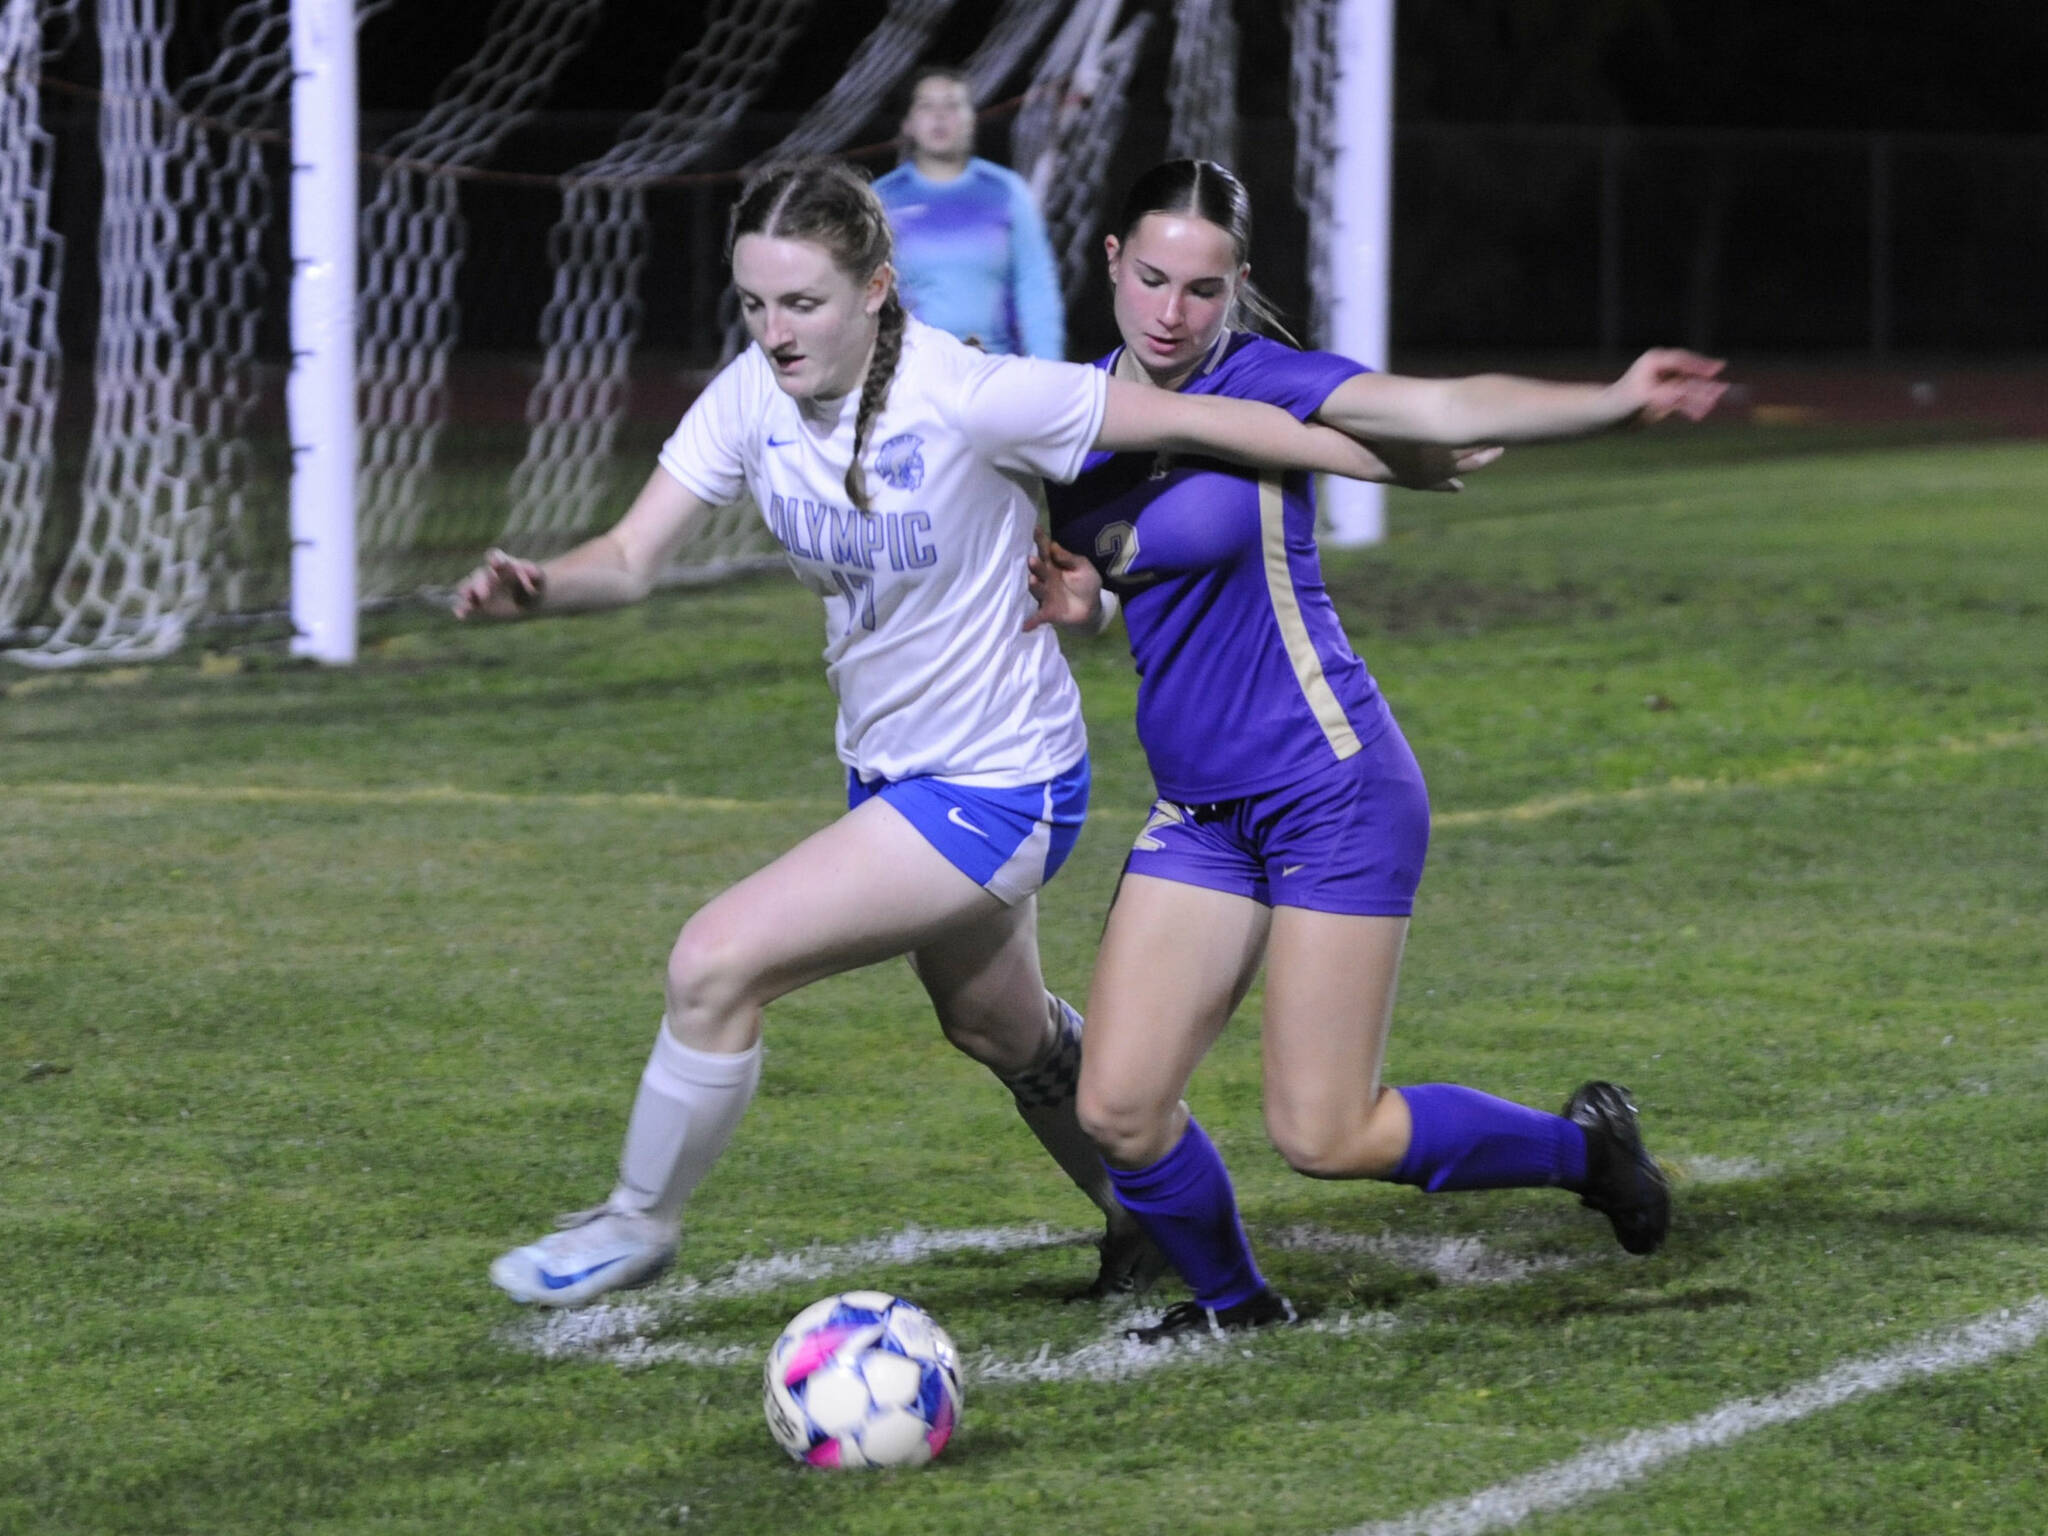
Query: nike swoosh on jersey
953	815
779	442
1289	869
563	1282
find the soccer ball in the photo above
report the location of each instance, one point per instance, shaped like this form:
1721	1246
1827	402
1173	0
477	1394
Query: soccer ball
863	1379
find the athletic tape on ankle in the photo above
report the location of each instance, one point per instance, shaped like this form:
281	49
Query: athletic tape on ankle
1052	1079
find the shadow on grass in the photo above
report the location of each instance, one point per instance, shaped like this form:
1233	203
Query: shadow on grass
1627	1303
1815	1205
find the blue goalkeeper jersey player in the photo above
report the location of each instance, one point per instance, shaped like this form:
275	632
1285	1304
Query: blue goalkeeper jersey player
972	256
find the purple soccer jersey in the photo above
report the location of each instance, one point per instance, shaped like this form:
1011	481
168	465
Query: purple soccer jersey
1247	680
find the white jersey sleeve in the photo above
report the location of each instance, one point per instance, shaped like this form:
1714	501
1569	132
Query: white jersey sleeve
708	451
1033	416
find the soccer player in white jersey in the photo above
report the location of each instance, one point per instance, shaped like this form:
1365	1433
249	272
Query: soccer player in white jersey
1292	820
899	468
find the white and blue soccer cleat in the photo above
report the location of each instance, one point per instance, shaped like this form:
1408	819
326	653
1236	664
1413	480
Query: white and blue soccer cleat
596	1251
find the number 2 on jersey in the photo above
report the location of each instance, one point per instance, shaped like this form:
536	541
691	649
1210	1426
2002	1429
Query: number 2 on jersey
1118	545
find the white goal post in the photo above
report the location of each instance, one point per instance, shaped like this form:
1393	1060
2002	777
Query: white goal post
321	391
1345	175
187	502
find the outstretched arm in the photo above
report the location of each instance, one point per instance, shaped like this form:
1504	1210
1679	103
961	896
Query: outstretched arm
617	567
1140	418
1501	408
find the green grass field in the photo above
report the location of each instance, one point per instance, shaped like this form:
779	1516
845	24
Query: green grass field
318	988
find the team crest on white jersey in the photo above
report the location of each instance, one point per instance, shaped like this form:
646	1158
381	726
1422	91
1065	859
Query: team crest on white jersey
899	463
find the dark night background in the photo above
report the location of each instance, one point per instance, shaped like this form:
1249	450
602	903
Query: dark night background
1839	177
1973	66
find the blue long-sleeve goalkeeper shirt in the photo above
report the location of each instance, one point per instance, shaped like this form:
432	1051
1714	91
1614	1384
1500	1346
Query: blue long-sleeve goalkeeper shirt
972	257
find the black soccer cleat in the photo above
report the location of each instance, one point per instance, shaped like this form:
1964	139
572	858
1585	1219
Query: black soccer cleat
1264	1310
1131	1262
1623	1182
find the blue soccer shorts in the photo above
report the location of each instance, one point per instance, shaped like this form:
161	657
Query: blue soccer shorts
1007	841
1349	839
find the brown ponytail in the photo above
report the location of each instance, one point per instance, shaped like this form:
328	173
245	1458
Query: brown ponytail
830	204
874	393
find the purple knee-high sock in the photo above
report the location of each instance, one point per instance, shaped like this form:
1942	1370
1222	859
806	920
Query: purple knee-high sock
1186	1203
1465	1139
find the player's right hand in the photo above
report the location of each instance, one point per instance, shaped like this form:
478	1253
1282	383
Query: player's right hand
1670	381
503	587
1065	586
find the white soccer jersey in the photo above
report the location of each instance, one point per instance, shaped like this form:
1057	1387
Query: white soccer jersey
925	596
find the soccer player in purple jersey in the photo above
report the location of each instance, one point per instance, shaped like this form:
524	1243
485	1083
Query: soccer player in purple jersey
1292	820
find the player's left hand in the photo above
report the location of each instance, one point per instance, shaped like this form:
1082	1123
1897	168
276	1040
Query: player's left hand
1429	466
1670	381
1066	587
503	587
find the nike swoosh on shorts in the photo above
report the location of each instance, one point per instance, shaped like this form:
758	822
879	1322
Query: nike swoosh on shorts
953	815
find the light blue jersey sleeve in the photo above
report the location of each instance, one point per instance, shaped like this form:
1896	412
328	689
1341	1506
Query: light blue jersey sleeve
1034	279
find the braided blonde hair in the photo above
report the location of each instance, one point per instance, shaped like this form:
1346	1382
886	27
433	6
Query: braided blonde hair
830	204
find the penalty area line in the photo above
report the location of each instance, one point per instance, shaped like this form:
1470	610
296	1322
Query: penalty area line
1528	810
1770	778
1606	1468
398	795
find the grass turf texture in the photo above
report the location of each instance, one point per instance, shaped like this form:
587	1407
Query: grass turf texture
319	988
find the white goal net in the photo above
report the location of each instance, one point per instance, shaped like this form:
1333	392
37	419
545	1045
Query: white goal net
510	383
30	255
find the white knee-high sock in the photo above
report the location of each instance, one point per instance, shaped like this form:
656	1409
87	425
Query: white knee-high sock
688	1106
1045	1098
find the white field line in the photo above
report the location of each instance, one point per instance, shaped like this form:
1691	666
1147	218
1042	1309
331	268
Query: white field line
1789	773
1110	1358
1615	1465
1117	1358
619	1326
396	794
754	1277
1528	810
1452	1260
619	1331
1719	1170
